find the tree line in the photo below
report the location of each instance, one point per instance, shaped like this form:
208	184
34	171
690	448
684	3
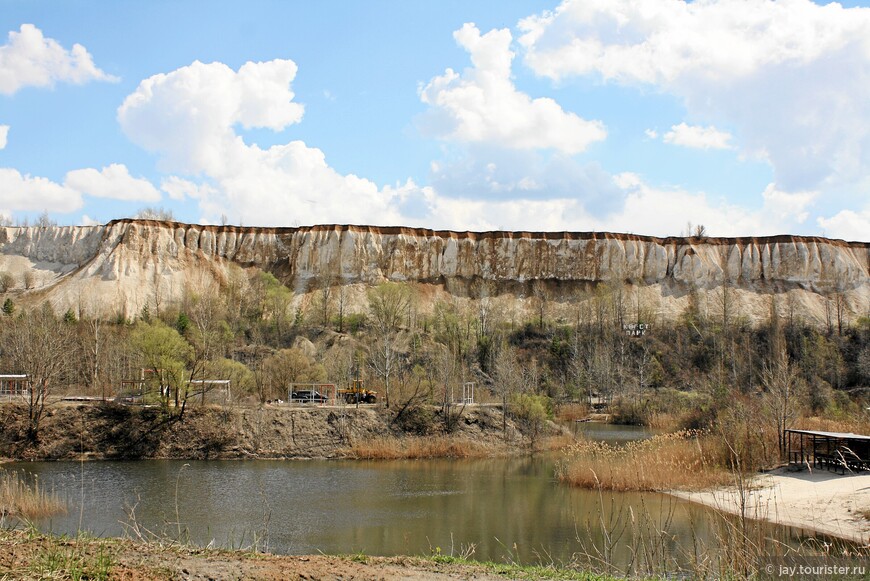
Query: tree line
529	353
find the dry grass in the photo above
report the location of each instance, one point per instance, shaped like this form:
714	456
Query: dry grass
570	412
667	422
560	442
418	447
827	425
682	460
24	499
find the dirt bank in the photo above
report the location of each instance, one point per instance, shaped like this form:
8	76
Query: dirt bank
26	555
111	431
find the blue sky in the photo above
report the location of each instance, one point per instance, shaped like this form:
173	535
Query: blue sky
747	116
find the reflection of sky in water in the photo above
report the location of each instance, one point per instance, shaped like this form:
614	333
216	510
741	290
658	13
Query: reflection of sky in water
508	508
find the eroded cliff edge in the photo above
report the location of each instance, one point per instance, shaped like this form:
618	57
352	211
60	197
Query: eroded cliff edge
126	264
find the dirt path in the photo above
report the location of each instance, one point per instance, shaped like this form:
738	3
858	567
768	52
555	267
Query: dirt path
820	501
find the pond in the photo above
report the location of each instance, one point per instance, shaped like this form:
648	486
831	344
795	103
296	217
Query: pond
506	508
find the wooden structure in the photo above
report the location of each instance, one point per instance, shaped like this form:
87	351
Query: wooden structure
832	450
468	393
14	384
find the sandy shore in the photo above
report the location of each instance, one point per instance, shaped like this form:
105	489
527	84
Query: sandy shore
820	501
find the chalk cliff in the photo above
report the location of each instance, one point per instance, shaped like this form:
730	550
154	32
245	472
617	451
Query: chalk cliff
126	264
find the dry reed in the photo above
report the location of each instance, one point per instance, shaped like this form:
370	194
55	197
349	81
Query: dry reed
28	500
418	447
560	442
570	412
667	422
682	460
855	426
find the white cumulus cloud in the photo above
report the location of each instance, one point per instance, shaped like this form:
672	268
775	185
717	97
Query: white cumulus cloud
189	117
180	189
791	77
29	193
113	181
665	211
29	59
482	104
848	224
697	137
4	134
638	208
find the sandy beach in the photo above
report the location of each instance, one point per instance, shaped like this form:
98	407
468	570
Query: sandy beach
816	500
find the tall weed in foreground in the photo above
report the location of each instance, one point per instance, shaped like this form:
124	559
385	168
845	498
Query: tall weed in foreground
637	539
25	498
78	558
682	460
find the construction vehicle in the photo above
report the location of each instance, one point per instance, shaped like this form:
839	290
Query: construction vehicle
358	393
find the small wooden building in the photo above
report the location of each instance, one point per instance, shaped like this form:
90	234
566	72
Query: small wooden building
14	384
832	450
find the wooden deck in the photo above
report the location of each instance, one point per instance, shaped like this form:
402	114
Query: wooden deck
836	451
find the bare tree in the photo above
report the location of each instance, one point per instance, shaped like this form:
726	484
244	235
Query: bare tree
38	344
384	360
325	299
155	213
539	301
840	302
388	305
508	376
342	299
781	383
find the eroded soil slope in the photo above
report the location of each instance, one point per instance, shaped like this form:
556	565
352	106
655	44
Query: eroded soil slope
113	431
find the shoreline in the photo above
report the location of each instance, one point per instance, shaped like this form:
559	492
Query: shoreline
815	500
114	432
124	558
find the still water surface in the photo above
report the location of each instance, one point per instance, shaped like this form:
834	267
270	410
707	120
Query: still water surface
508	508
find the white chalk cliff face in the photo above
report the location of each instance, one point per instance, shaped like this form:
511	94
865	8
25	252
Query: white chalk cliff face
127	264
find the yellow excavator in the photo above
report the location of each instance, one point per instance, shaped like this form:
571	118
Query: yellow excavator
357	393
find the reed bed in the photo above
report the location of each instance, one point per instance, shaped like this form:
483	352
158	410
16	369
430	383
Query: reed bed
570	412
25	498
665	421
685	460
856	426
553	443
418	447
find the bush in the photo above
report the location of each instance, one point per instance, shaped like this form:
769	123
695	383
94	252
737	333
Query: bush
530	412
6	282
419	420
630	412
